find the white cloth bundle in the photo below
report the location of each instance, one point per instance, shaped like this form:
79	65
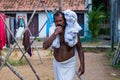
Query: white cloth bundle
71	30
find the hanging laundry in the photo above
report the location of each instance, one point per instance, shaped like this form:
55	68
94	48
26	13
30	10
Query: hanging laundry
21	25
13	29
43	1
49	22
26	42
7	32
2	31
12	26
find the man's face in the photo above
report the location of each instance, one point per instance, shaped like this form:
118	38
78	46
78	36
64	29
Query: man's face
59	21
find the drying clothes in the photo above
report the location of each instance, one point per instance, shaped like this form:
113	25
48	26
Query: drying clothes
13	30
65	70
26	42
2	31
50	14
21	27
19	32
11	25
71	30
20	22
7	32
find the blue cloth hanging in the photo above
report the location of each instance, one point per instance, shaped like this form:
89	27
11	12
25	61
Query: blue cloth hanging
50	14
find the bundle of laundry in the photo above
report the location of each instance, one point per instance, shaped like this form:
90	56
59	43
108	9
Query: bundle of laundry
71	30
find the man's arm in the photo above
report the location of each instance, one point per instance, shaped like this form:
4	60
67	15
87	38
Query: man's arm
81	57
50	39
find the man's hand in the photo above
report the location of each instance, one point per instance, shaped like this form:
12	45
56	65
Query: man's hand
58	30
80	71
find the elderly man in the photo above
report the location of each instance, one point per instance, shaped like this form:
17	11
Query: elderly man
64	53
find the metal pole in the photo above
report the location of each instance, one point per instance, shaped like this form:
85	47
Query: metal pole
116	20
111	24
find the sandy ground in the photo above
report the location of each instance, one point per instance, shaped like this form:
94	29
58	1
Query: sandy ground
95	64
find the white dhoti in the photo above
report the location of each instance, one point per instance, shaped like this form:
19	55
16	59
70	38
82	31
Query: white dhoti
65	70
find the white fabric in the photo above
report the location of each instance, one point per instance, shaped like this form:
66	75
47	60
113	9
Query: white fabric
71	34
19	32
71	31
72	27
65	70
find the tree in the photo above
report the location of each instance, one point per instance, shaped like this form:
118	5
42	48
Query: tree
95	18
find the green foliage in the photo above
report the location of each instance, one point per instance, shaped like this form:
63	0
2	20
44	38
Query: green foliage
39	39
110	55
95	18
17	63
104	31
90	40
95	50
117	66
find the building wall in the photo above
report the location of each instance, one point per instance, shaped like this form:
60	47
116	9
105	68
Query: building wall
88	6
42	19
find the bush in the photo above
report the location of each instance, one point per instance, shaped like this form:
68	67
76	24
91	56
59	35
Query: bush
104	31
95	18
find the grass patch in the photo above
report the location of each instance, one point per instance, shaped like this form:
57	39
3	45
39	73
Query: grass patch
110	54
95	50
90	40
17	62
117	66
91	50
40	39
115	79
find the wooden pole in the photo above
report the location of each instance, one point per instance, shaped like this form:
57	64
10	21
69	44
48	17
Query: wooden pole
60	5
0	60
12	69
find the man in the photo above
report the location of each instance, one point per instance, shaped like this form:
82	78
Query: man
64	56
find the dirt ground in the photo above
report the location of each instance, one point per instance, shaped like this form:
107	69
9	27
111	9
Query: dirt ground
96	67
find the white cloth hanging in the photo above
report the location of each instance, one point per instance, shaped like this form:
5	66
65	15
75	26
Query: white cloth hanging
21	28
19	32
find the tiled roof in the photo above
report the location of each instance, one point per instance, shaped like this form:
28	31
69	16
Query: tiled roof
28	5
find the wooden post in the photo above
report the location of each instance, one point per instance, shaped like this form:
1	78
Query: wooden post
0	60
12	69
60	5
112	23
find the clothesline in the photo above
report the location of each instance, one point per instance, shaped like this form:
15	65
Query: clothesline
4	61
19	46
